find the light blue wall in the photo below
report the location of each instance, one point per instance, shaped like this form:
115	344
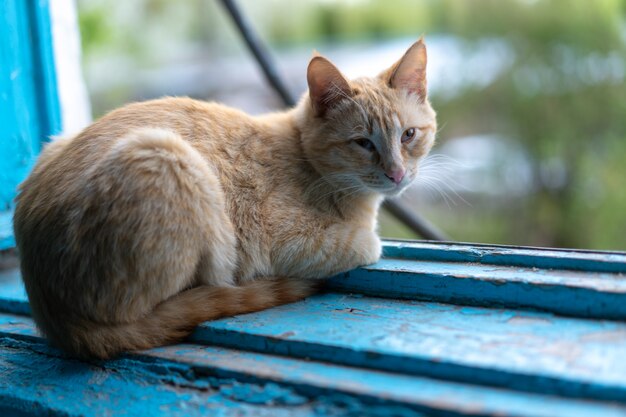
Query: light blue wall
29	106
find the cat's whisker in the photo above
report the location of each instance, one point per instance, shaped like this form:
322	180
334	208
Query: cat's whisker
433	186
325	181
432	189
446	181
441	127
350	194
328	178
438	171
341	191
443	160
460	197
443	188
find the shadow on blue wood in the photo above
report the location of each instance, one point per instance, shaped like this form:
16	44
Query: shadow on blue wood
29	106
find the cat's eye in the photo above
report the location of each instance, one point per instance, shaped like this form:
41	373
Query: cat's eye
365	143
408	135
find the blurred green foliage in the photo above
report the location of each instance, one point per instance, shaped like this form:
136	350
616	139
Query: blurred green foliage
563	96
564	99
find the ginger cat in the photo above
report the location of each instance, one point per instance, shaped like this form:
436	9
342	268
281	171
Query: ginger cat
168	213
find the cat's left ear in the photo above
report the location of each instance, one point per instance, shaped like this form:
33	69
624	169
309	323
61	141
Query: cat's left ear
326	84
409	73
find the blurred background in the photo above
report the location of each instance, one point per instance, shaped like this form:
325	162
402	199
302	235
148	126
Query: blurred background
530	95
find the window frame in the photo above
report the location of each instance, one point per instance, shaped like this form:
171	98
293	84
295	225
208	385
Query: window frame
30	101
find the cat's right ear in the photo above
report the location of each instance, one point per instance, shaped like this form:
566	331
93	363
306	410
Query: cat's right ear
409	73
326	85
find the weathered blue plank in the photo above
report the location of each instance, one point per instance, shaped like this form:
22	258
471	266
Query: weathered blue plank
567	292
569	259
535	352
528	352
429	395
37	380
384	393
457	346
29	108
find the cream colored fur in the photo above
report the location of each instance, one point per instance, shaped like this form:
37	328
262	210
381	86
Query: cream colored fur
167	213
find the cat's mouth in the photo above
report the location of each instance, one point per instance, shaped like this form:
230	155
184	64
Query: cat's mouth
394	190
372	183
389	190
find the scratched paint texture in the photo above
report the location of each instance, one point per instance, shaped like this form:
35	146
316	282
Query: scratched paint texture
573	293
128	387
583	260
536	352
36	379
332	389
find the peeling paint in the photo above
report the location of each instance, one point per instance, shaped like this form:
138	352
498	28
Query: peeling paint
268	394
572	293
246	383
581	260
534	352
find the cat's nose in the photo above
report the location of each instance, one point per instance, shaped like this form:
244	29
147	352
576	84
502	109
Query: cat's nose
395	175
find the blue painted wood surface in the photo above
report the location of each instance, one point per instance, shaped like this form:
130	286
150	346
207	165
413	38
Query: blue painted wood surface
29	106
545	258
568	282
533	352
562	291
38	380
385	355
334	389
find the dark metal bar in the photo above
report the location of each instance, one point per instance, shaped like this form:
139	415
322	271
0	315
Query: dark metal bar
415	222
260	53
396	208
418	224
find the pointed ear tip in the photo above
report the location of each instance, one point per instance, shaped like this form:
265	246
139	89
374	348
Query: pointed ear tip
317	58
314	61
419	47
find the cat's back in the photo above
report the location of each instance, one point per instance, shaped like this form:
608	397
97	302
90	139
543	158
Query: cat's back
207	126
195	121
188	117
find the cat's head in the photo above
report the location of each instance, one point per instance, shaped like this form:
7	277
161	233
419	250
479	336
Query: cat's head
369	134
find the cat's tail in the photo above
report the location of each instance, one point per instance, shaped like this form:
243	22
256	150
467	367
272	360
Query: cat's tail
175	318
